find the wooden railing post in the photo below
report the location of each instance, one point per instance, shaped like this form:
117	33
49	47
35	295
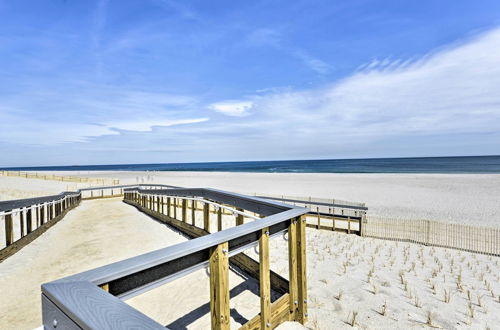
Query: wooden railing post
168	206
239	218
21	222
175	208
184	210
162	205
292	269
29	225
42	213
219	286
265	281
219	219
206	217
193	212
9	229
302	270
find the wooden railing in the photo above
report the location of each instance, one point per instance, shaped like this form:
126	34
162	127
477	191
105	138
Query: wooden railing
26	219
86	300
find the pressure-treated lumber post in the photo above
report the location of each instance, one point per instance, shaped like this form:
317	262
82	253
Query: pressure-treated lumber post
206	217
265	281
29	225
219	286
168	206
292	269
9	230
193	212
239	218
219	219
184	210
175	208
158	204
42	214
21	222
301	270
162	205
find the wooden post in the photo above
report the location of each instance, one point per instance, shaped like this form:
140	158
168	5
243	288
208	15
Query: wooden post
9	230
292	269
42	214
175	208
158	204
219	286
162	205
168	206
239	218
21	221
318	226
193	212
29	224
301	270
219	219
206	217
184	210
265	281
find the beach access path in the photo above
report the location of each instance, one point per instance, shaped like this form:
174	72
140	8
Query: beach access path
97	233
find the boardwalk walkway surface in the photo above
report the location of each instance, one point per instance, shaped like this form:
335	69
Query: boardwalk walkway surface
94	234
100	232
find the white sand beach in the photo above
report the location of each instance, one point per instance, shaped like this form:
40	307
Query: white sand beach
346	274
458	198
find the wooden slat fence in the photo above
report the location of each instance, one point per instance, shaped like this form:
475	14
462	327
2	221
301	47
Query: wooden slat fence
477	239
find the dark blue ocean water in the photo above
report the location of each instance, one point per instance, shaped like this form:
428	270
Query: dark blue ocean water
473	164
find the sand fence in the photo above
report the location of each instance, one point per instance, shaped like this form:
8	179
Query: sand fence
66	178
477	239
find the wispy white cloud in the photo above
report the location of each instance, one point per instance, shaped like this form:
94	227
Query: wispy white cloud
232	107
453	90
147	125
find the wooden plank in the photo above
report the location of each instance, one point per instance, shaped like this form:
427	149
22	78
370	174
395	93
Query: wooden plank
219	286
279	314
264	280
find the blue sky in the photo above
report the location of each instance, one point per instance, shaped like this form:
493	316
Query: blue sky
152	81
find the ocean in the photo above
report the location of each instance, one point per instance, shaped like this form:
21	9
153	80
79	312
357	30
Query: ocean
466	164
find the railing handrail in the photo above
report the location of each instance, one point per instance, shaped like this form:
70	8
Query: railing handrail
79	296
